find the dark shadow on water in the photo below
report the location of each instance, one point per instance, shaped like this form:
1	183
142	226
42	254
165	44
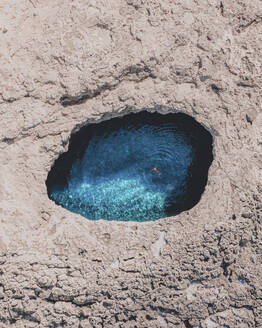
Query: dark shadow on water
139	167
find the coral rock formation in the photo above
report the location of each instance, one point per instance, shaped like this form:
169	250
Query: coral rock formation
68	63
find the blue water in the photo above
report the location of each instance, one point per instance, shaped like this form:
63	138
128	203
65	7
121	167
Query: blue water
129	173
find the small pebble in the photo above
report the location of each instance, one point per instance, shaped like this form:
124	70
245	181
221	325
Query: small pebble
246	215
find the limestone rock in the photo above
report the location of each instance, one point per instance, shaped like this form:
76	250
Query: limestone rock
65	64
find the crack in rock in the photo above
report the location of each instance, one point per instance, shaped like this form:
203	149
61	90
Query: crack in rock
141	72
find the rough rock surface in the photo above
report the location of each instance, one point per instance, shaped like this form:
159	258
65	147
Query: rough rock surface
66	63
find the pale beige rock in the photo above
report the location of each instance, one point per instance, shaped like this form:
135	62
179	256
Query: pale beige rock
201	57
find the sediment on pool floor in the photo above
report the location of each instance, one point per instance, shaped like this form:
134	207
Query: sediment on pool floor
139	167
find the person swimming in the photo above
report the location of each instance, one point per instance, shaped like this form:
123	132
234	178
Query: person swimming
156	170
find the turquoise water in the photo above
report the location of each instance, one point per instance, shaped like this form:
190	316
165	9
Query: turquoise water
140	167
128	174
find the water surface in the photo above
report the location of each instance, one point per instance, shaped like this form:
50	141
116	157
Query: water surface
140	167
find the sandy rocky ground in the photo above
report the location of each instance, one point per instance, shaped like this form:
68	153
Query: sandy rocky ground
66	63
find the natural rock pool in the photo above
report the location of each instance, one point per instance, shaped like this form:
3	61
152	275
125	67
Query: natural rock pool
138	167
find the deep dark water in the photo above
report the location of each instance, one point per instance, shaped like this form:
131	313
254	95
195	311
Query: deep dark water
139	167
